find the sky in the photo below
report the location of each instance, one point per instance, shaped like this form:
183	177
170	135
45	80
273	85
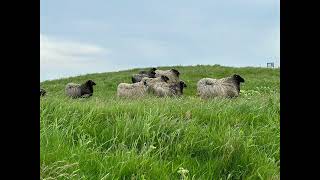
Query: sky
81	37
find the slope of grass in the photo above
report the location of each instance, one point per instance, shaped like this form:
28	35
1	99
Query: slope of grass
105	137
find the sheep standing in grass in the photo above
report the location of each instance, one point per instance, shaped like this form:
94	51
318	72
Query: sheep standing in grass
80	90
142	74
42	92
172	74
225	87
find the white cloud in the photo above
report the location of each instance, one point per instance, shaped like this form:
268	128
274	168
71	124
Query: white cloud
54	52
60	58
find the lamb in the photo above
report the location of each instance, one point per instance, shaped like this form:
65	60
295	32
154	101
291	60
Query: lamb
42	92
226	87
138	77
80	90
172	74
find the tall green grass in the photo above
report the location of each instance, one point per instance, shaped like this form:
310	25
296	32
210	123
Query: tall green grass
105	137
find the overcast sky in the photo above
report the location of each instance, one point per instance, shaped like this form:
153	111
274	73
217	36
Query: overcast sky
81	36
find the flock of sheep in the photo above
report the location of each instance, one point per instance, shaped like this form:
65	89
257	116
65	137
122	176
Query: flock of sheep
161	83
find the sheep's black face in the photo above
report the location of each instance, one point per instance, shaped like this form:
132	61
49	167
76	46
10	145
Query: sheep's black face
238	78
153	69
182	84
164	78
176	72
90	83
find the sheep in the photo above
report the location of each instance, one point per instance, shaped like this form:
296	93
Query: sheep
42	92
172	74
134	90
138	77
139	89
164	88
226	87
80	90
159	86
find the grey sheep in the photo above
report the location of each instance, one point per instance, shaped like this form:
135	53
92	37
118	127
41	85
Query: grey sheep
138	89
80	90
225	87
164	88
142	74
172	74
42	92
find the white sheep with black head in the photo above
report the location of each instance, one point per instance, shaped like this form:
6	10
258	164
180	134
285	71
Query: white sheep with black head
225	87
142	74
80	90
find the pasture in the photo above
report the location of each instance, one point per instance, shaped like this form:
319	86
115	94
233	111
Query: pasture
105	137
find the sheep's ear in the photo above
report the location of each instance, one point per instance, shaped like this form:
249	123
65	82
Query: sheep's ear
176	72
164	78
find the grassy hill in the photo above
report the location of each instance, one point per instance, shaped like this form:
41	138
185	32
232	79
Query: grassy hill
105	137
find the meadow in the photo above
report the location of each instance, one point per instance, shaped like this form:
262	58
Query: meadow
106	137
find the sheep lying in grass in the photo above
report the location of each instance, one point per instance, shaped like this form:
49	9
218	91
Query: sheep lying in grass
134	90
142	74
164	88
225	87
42	92
172	74
80	90
157	86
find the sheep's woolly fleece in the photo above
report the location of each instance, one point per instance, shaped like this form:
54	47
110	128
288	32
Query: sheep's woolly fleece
161	86
134	90
172	74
